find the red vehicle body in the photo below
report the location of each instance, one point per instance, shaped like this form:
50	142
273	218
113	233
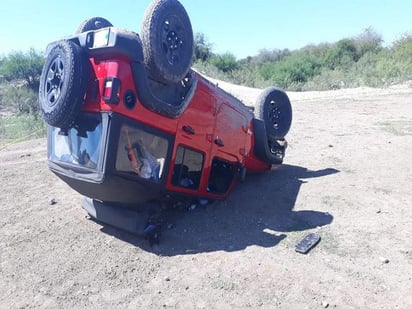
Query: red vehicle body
120	137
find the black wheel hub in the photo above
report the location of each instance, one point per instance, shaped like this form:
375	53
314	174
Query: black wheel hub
172	41
54	81
274	115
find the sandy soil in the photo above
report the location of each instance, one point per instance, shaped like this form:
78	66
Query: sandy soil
347	176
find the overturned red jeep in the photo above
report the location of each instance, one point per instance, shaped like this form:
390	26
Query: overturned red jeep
130	122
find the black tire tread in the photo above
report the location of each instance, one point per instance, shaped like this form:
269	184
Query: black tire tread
282	100
90	24
66	108
154	60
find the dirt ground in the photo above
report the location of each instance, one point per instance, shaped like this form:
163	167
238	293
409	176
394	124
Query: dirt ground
347	176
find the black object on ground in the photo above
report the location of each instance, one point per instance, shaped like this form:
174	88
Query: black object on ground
307	243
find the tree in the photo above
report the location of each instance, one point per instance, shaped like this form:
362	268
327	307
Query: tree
273	55
225	62
203	48
23	66
298	68
342	55
368	41
404	40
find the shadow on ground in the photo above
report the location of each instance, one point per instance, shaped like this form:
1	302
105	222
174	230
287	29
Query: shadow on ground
259	212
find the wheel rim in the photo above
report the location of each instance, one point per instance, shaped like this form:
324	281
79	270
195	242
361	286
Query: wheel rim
274	115
172	39
54	81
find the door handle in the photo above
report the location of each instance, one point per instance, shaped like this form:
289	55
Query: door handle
188	129
219	142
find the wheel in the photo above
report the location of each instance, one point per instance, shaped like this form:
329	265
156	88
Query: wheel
63	84
167	39
93	23
274	108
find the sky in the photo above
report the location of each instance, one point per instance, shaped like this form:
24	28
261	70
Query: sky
242	27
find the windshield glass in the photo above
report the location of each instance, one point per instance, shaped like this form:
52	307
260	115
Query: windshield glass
79	145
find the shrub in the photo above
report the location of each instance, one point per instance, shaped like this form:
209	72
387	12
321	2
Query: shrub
23	66
369	41
202	47
21	99
225	62
296	69
344	54
267	56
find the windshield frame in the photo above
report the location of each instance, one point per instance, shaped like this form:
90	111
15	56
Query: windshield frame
119	121
93	174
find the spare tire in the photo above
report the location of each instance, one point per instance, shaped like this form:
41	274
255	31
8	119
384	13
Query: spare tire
274	108
93	23
167	39
63	84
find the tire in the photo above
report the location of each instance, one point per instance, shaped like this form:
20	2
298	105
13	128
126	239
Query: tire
63	84
167	39
274	108
93	23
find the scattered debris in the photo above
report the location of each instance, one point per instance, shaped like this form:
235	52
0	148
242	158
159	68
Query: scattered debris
307	243
384	260
52	201
192	207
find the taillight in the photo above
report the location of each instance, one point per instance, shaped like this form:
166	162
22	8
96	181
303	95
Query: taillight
111	90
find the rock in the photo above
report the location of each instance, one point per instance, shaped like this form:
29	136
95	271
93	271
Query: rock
384	260
325	304
167	278
52	201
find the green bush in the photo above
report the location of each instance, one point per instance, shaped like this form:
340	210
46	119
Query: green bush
342	55
225	62
402	53
21	99
327	80
23	66
369	41
295	70
350	62
202	48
